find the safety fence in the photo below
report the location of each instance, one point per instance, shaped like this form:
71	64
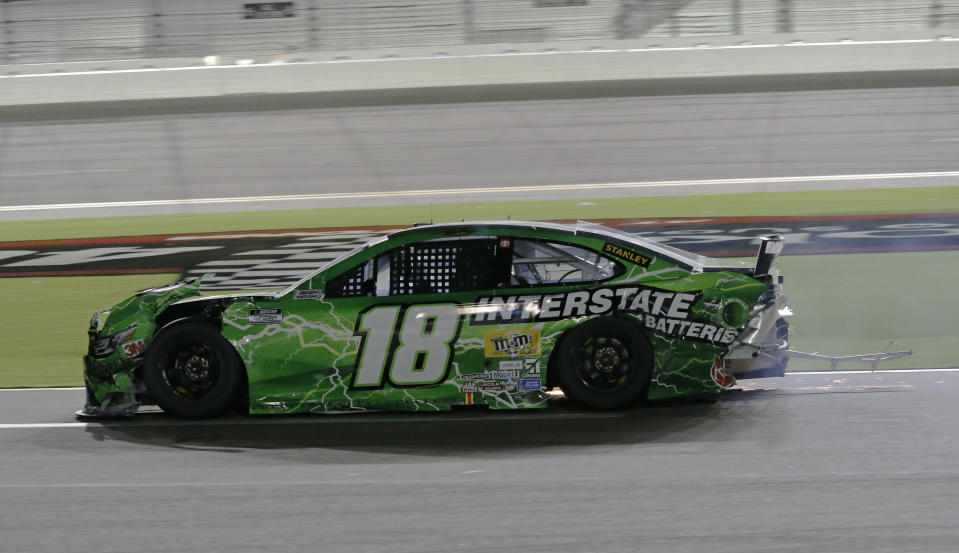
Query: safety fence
39	31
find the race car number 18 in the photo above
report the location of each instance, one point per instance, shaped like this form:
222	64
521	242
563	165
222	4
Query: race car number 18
414	346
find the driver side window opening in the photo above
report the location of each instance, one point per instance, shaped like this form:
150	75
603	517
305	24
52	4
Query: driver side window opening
539	263
442	266
433	267
467	264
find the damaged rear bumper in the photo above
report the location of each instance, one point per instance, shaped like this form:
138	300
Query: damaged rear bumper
761	349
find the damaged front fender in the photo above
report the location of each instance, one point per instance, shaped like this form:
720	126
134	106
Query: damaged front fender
119	338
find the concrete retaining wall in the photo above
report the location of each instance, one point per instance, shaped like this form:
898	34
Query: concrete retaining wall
460	73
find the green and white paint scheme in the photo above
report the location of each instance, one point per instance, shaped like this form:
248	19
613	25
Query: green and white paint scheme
480	326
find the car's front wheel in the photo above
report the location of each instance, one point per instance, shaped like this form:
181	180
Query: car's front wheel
605	363
192	372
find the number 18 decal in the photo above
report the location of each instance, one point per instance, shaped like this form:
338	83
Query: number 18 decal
413	346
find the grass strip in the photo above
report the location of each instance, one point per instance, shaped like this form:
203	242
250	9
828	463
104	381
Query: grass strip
819	202
43	336
850	304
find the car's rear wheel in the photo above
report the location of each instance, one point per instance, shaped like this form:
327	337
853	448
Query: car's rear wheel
192	372
605	363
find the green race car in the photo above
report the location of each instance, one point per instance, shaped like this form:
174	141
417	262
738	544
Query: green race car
493	314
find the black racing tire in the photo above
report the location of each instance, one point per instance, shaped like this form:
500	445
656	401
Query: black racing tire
605	363
192	372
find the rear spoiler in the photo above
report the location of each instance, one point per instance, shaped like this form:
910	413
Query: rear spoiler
769	249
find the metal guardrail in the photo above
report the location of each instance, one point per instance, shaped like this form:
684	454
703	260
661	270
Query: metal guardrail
39	31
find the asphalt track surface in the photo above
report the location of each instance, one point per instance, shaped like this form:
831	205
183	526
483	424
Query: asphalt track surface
390	149
838	462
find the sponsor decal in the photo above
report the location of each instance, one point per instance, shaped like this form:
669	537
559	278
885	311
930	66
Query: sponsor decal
661	311
509	370
266	316
133	348
484	386
511	343
308	295
531	367
520	368
628	255
528	385
676	328
469	398
497	386
475	376
506	243
551	307
502	375
719	375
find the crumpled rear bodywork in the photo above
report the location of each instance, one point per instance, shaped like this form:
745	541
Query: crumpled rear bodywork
119	336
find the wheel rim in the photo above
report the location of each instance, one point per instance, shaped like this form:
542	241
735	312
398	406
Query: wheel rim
603	363
192	371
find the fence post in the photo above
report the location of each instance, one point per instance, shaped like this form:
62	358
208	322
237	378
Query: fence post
311	41
620	20
156	29
935	14
468	21
785	16
5	20
736	9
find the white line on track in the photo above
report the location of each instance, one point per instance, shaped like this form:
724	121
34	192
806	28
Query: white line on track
483	190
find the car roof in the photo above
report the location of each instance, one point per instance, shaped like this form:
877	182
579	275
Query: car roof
691	261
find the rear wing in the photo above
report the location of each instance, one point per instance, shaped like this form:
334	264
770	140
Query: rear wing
769	249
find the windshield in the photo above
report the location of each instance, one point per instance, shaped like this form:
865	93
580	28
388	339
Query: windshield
537	262
695	262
